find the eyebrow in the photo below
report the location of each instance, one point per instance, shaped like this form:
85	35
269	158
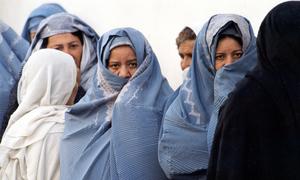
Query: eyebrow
238	50
232	51
132	60
75	41
113	61
61	44
117	61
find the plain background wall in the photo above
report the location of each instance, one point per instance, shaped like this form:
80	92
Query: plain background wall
159	20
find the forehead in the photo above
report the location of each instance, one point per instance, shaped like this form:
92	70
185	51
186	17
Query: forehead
187	45
122	50
62	38
122	54
228	43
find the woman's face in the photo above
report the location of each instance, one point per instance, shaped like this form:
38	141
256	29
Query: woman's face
228	51
75	89
185	51
122	61
67	43
32	34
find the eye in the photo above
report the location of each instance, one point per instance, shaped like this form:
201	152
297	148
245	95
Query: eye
114	66
181	55
237	55
190	55
60	48
132	65
220	57
74	45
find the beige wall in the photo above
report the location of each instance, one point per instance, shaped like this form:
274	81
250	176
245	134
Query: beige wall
159	20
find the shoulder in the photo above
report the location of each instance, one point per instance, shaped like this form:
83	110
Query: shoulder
248	103
248	92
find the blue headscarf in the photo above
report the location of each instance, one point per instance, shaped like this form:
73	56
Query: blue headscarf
183	147
68	23
37	15
112	133
13	49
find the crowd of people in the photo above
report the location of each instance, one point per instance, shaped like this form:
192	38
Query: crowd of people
76	105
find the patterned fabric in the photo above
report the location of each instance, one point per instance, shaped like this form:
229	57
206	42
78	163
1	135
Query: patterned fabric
13	49
68	23
112	133
183	146
37	15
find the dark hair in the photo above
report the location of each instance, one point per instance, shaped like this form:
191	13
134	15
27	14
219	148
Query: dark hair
79	35
238	39
76	33
185	34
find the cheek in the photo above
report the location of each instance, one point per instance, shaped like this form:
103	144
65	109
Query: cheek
218	65
114	71
77	57
189	60
77	62
132	71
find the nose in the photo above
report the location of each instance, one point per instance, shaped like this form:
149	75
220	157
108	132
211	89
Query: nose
124	72
70	52
66	50
228	60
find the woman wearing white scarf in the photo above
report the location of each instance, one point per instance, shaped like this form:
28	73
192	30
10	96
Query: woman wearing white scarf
30	145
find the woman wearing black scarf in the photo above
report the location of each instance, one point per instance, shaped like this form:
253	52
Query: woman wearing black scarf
258	134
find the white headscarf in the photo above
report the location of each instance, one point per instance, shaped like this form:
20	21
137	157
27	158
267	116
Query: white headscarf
46	85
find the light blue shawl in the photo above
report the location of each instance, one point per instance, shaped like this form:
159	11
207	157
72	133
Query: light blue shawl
37	15
68	23
13	49
112	133
183	146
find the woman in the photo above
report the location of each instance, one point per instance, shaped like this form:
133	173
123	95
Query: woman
68	33
112	133
30	145
258	132
224	51
36	16
12	52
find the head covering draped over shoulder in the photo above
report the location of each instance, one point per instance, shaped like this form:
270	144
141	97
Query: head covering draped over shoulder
13	49
46	85
68	23
112	132
37	15
48	79
258	132
183	146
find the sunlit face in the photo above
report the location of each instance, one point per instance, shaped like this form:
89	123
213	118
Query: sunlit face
185	51
228	51
32	34
122	61
71	100
67	43
75	89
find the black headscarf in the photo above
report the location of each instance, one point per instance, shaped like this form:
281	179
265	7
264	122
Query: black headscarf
278	46
258	133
